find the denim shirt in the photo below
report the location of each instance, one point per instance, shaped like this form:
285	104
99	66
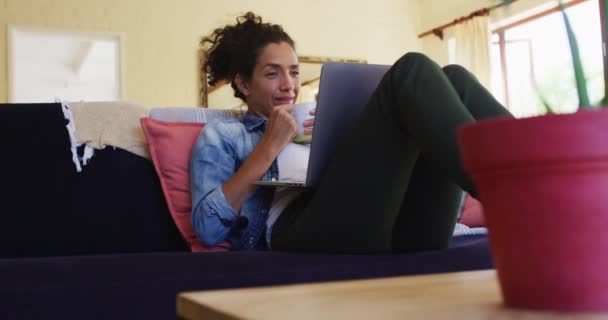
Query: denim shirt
218	153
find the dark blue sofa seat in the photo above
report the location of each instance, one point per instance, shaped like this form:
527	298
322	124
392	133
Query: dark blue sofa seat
145	285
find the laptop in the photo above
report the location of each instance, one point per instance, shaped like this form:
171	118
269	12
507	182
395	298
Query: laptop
344	90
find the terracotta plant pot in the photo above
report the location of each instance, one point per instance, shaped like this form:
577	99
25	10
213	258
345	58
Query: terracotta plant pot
543	182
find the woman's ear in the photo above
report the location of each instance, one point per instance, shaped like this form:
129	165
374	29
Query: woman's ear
242	84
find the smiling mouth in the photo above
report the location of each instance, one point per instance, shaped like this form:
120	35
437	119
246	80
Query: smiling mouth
285	100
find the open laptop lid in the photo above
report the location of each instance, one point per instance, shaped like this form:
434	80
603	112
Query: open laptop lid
344	90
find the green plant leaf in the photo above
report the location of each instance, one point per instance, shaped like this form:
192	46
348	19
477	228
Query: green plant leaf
546	106
579	75
543	100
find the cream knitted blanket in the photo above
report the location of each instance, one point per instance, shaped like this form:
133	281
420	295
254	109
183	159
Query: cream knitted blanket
101	124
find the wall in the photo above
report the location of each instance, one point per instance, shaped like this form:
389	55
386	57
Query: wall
162	36
433	15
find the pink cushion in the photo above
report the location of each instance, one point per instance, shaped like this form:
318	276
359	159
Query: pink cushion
472	214
170	147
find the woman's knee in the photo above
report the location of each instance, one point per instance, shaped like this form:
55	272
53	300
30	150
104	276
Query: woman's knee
456	71
413	65
414	58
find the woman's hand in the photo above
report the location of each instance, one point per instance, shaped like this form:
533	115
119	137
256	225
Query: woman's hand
309	124
281	128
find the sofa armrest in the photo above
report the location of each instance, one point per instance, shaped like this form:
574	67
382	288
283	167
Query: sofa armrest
114	205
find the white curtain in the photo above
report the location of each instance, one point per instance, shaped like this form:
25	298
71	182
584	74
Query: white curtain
472	47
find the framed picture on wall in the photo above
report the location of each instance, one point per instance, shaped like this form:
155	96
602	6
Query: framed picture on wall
46	65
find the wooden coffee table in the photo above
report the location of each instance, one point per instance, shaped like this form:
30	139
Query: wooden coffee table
460	295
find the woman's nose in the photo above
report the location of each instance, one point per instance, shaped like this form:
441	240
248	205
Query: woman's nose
287	84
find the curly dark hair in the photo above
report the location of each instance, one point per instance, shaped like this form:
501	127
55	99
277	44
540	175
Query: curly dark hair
234	49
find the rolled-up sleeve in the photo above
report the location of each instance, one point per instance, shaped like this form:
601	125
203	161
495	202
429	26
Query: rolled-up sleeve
212	163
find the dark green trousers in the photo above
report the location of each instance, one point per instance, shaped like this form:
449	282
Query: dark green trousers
395	182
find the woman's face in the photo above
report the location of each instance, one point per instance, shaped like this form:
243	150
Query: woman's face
275	79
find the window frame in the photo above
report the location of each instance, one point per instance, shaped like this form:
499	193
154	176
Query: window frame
500	32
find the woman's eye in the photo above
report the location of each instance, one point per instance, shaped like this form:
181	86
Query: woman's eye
271	74
295	73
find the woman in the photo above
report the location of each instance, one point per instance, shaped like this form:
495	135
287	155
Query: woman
393	185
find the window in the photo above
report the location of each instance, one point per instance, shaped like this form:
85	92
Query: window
537	59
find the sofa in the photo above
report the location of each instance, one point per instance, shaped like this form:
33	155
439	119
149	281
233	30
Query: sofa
103	244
